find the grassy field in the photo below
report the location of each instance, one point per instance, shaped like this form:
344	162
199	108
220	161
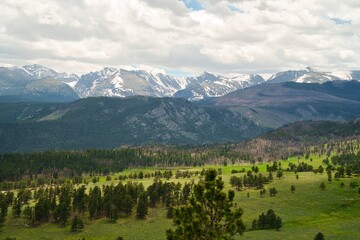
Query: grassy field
334	211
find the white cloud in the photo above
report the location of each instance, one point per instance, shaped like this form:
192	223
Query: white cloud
257	36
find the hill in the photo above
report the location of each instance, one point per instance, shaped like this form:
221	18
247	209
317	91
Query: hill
273	105
296	139
110	122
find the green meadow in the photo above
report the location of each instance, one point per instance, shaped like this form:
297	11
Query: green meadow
334	211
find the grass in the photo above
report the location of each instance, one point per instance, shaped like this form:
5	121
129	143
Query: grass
307	211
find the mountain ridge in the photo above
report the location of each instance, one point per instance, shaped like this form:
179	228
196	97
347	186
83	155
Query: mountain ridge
106	122
126	81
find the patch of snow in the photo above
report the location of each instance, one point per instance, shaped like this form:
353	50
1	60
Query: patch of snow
241	77
183	82
221	83
117	82
71	84
266	76
345	75
302	79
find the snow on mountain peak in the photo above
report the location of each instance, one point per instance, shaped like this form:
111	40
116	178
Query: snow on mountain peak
144	80
38	71
345	75
107	71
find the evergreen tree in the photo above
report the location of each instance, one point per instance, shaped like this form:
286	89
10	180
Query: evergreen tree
80	199
268	221
209	214
128	204
4	205
278	223
95	202
77	224
273	192
42	209
17	207
319	236
142	206
108	203
186	191
271	176
29	214
62	211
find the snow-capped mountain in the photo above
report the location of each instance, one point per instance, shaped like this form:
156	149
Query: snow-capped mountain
122	83
212	85
309	75
36	83
129	81
37	72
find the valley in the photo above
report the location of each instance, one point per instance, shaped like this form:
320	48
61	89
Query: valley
304	212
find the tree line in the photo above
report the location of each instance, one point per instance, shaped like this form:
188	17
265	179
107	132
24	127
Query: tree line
65	202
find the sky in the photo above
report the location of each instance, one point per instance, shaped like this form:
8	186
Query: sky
181	37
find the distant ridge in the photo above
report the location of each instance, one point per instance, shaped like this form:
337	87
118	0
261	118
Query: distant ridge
129	81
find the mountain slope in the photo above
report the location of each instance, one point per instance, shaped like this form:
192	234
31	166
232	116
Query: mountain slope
210	85
122	83
276	104
35	83
297	138
110	122
310	75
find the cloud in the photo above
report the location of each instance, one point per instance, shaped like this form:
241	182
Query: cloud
218	35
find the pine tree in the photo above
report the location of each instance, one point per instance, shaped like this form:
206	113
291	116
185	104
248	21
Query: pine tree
319	236
77	224
42	209
209	214
17	207
273	192
4	205
109	203
62	211
80	199
128	204
142	206
95	202
278	223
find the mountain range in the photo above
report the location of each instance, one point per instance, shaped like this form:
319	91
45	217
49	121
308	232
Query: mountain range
42	109
107	122
41	84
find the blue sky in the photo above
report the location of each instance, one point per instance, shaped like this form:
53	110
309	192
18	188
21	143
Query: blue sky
193	4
